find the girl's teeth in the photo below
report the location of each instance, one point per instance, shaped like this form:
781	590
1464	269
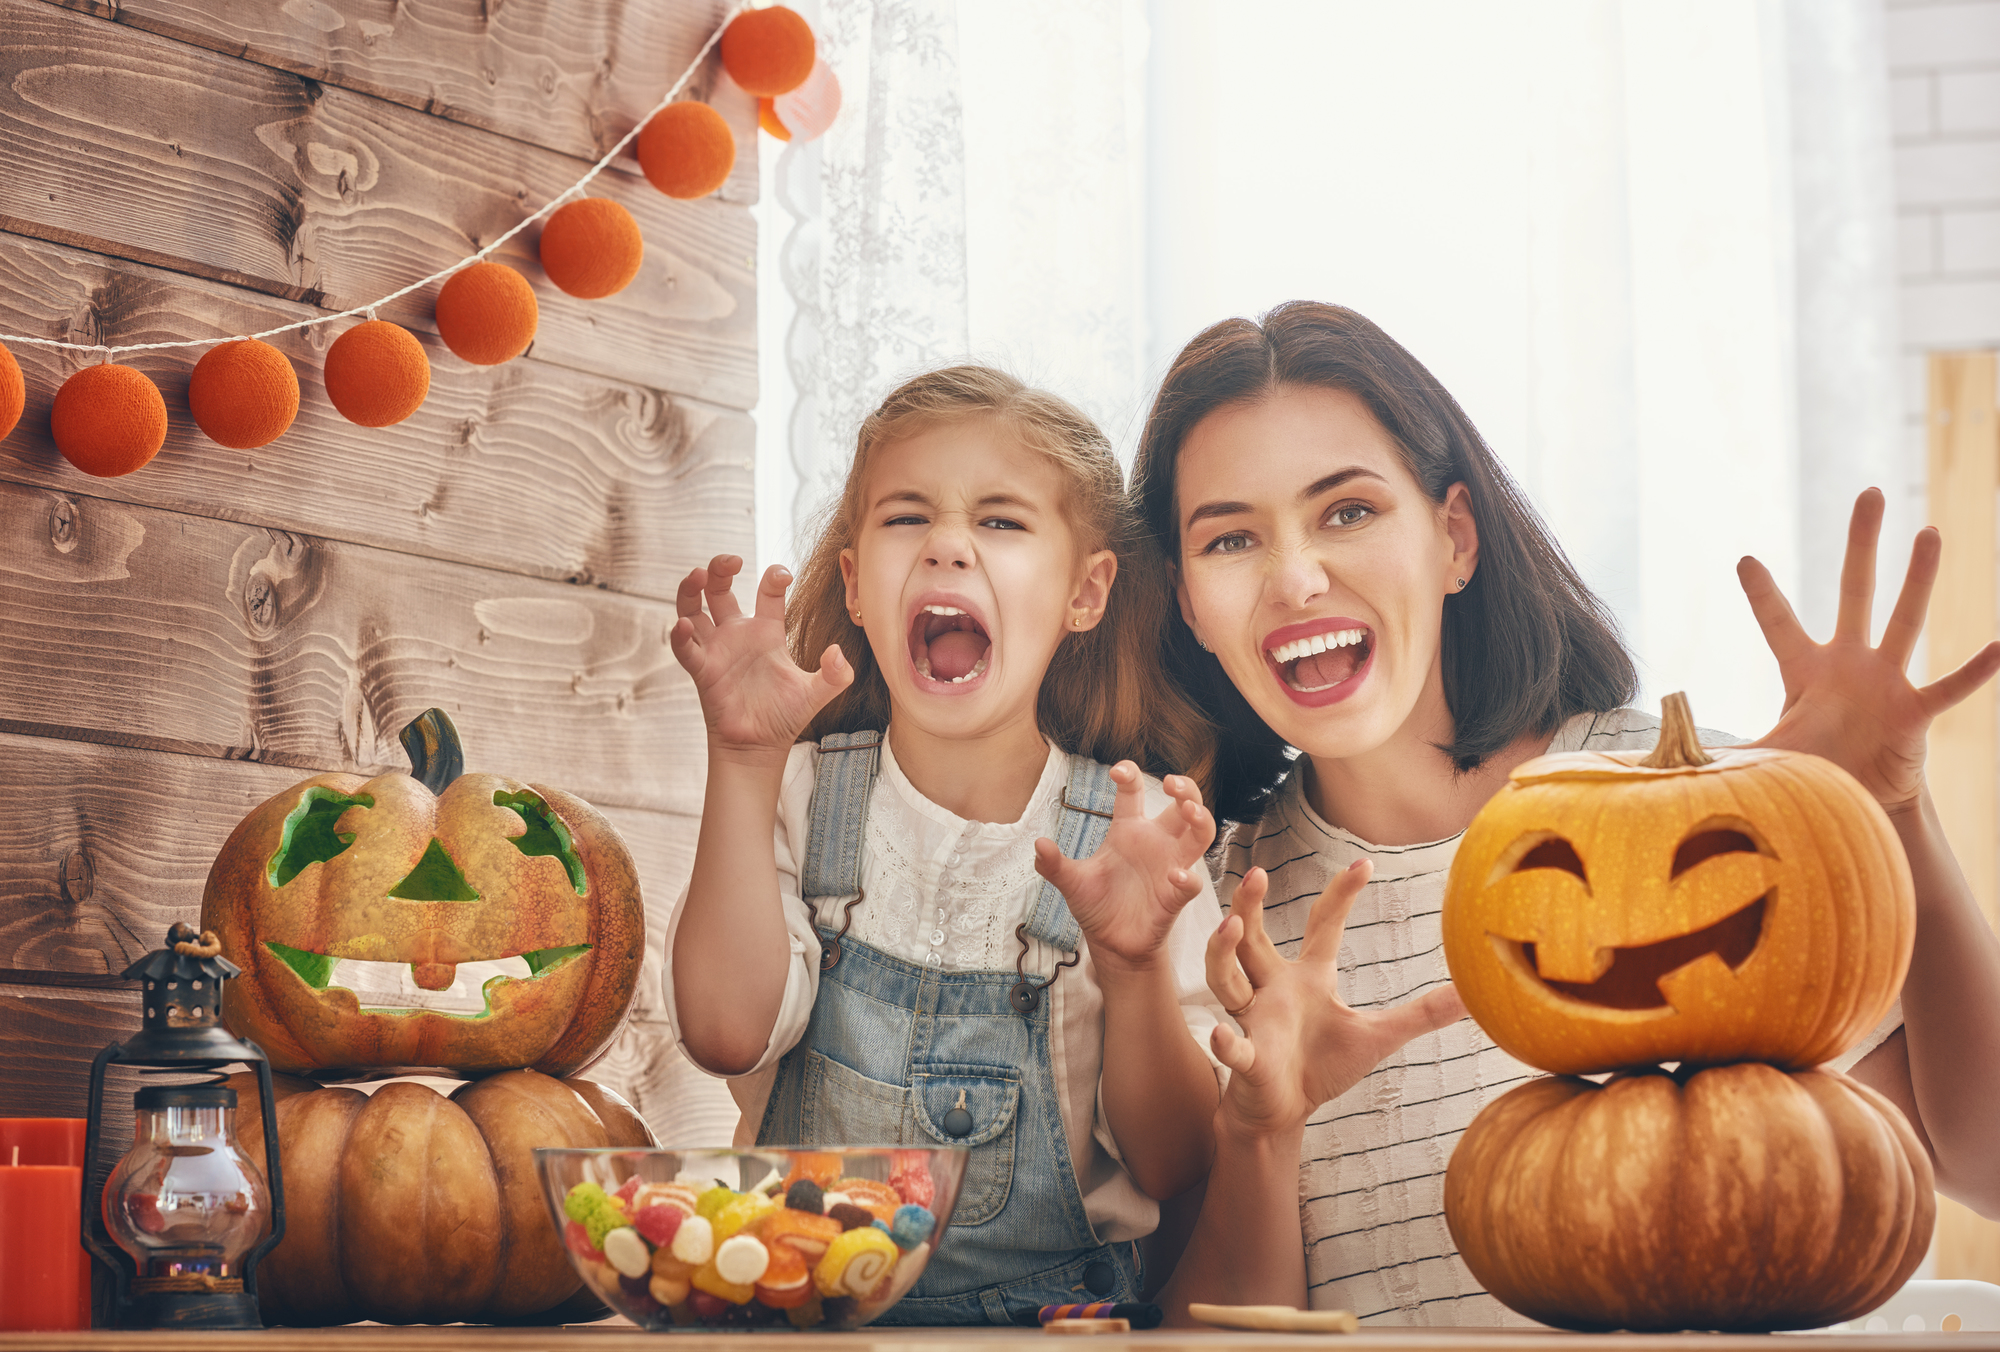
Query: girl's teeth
924	670
942	610
1316	643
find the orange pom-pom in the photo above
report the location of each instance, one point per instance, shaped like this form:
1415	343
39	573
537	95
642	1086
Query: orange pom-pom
376	374
592	248
687	150
108	420
767	118
486	313
13	392
243	394
768	51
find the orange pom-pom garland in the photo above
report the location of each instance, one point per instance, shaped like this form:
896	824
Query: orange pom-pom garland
486	314
767	118
376	374
768	51
13	392
687	150
592	248
243	394
108	420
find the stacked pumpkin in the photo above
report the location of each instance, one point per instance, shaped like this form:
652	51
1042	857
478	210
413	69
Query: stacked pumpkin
463	925
1747	915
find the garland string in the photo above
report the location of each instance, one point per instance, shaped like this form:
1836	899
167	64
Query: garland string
369	309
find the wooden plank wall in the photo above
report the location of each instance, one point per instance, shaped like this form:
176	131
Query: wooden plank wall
179	644
1963	763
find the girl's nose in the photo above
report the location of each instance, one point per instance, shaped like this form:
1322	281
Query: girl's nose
949	546
1297	580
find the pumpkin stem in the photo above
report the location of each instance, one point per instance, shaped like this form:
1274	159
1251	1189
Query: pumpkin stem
432	745
1677	747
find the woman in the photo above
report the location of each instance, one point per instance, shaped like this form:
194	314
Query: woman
1360	580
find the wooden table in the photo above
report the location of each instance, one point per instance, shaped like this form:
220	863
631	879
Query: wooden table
620	1337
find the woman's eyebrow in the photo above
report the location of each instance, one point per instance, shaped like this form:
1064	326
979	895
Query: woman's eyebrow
1335	480
1209	509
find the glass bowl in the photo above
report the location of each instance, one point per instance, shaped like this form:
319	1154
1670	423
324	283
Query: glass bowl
774	1237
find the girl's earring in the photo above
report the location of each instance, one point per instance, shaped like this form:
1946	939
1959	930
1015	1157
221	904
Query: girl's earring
857	614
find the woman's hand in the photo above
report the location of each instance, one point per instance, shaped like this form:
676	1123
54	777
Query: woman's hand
754	698
1301	1045
1849	702
1126	896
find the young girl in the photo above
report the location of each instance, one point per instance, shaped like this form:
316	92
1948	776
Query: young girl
916	962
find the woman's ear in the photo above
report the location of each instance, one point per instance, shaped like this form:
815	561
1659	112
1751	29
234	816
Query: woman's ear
1093	592
850	576
1187	606
1463	532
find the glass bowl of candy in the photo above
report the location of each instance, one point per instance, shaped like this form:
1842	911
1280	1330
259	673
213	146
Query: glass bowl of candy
766	1238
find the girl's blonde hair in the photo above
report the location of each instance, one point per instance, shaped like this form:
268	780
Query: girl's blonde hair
1105	694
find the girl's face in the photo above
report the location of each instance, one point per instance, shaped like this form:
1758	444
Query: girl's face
1315	568
965	574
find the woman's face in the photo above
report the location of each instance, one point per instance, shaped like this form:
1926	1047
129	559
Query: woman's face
1315	568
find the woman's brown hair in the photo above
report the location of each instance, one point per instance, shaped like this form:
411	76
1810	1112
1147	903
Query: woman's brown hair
1104	694
1524	647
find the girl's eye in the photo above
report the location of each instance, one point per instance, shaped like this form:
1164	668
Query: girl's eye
1002	523
1231	542
1349	514
904	521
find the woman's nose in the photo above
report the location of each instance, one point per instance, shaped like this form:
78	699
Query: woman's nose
1297	580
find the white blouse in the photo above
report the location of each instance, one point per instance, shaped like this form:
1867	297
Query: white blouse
948	892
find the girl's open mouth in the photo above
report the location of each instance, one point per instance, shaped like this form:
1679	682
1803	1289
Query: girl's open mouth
948	645
1322	666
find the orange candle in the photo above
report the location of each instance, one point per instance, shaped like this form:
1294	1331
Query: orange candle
44	1268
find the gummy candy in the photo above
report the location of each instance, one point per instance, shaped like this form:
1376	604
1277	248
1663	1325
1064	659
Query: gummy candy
713	1200
578	1240
668	1290
850	1216
667	1194
694	1242
670	1267
855	1262
912	1225
799	1230
819	1166
658	1222
626	1189
638	1295
707	1278
808	1313
787	1281
740	1213
626	1251
806	1195
877	1196
599	1212
911	1177
741	1259
706	1307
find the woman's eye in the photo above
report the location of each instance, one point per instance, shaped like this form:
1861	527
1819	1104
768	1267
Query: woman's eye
1001	523
1234	542
1352	514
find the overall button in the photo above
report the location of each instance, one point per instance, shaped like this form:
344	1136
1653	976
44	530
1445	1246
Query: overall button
1100	1277
954	860
937	936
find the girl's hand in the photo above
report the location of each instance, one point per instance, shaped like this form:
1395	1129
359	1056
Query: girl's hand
1846	701
1301	1045
754	698
1126	895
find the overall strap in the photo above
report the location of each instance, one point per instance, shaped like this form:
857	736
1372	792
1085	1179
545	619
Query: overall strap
848	762
1086	816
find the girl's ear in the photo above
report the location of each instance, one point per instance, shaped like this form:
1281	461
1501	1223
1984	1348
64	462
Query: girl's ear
851	577
1463	532
1093	592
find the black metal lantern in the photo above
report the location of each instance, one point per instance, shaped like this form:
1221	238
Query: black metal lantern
178	1218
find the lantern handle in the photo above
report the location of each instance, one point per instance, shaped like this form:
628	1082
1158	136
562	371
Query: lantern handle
436	758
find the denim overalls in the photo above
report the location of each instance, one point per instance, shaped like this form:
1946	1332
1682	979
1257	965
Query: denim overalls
893	1047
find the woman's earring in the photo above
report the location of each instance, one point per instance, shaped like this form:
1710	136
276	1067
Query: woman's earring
1199	643
1461	584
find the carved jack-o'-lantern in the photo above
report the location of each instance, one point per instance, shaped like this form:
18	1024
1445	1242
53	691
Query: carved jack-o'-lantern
465	922
1621	909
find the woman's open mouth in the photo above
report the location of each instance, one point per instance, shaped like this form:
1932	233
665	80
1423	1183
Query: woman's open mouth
1324	664
949	647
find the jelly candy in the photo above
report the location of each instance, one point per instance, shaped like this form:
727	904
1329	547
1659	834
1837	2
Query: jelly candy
713	1200
638	1295
806	1234
694	1242
806	1195
912	1225
850	1216
626	1189
878	1197
578	1240
707	1278
855	1262
740	1213
741	1259
626	1251
910	1176
708	1308
599	1212
658	1222
670	1267
817	1165
665	1194
667	1290
808	1312
787	1282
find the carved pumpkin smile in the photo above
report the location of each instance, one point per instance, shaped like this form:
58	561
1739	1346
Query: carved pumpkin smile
1611	910
462	989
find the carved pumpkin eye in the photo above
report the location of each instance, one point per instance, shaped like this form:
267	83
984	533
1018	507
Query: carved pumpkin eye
1553	852
1709	842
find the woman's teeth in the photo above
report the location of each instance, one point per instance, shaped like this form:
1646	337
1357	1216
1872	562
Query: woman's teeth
924	665
1316	643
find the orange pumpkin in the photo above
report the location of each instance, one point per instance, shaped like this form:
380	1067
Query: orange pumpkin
407	1207
343	887
1737	1197
1625	908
